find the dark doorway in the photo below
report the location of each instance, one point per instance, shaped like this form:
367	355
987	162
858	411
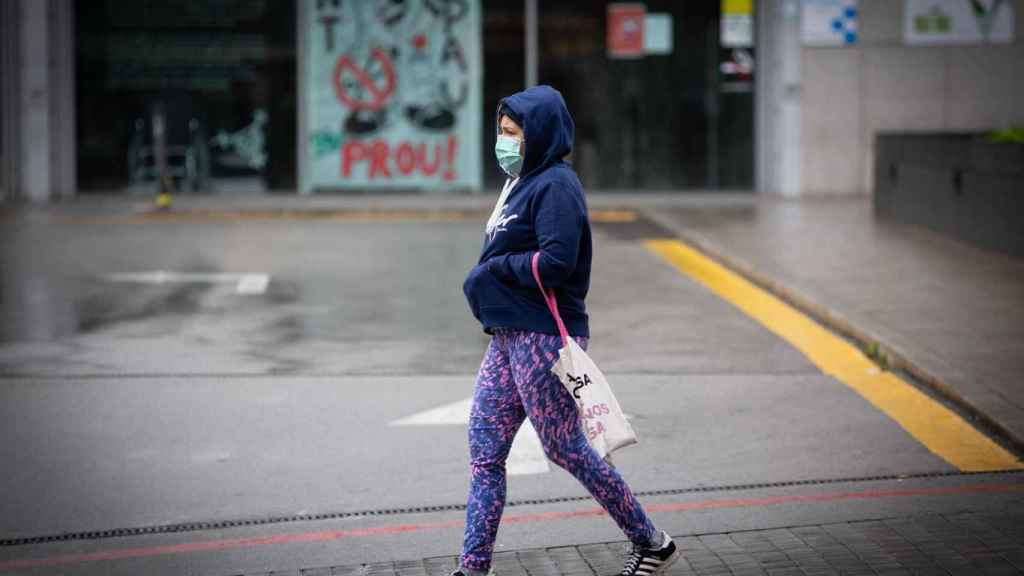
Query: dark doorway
661	121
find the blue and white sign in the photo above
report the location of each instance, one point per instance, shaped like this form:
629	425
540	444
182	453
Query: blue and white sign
829	22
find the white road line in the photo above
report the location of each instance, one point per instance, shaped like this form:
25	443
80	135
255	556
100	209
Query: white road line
526	456
244	283
253	284
447	415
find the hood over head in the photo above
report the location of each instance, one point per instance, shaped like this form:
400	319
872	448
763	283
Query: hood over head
547	126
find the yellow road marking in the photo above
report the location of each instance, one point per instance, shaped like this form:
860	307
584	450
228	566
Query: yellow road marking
213	216
613	216
940	429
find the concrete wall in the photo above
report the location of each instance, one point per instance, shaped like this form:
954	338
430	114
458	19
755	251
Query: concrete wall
849	94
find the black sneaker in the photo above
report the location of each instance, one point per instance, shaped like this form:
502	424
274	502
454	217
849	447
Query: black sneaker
648	562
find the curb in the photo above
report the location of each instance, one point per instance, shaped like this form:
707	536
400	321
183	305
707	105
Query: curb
897	360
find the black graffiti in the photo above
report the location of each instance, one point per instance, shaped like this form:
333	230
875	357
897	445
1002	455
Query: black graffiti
450	10
430	116
391	12
329	22
578	384
452	49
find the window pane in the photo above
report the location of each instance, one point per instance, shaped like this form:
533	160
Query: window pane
220	72
504	71
658	121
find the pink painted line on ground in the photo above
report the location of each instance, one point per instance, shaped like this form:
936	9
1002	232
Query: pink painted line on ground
124	553
212	545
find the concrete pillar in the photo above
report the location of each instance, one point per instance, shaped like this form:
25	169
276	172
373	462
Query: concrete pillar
45	146
531	47
778	103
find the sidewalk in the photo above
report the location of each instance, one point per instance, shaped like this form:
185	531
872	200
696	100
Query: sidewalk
949	314
968	544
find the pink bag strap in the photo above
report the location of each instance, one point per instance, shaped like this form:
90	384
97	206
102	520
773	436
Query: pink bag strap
549	299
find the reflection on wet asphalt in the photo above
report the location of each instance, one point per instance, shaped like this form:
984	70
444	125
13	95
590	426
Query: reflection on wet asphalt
342	296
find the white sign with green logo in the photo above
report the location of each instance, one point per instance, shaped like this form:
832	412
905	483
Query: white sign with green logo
938	22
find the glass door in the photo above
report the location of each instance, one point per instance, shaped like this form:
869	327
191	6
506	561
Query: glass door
200	92
668	109
4	88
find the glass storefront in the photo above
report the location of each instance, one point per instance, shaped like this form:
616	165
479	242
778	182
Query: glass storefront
678	119
4	88
205	87
3	113
211	88
655	121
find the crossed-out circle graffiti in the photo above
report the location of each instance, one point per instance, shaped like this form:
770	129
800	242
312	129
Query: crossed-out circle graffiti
378	95
397	85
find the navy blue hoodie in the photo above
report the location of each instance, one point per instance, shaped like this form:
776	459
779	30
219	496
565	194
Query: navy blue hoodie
545	212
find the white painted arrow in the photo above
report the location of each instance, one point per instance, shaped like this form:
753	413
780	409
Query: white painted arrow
526	456
447	415
244	283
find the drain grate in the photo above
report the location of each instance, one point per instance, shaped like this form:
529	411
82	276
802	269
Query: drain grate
223	524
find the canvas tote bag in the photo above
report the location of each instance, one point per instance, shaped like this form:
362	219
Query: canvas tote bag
600	415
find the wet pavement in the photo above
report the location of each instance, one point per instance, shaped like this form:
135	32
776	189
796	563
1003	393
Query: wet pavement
184	420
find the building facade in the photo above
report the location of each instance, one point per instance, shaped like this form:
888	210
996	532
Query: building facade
318	96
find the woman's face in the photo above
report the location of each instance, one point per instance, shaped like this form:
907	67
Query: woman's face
508	127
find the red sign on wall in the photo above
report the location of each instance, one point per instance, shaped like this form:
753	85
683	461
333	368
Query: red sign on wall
626	30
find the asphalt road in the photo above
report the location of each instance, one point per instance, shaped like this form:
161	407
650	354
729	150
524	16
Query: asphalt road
127	404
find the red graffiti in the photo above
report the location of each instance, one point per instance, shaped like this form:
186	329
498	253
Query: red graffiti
386	160
378	95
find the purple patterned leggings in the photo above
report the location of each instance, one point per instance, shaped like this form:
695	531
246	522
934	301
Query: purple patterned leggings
515	381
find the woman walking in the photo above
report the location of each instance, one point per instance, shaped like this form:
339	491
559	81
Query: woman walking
541	210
